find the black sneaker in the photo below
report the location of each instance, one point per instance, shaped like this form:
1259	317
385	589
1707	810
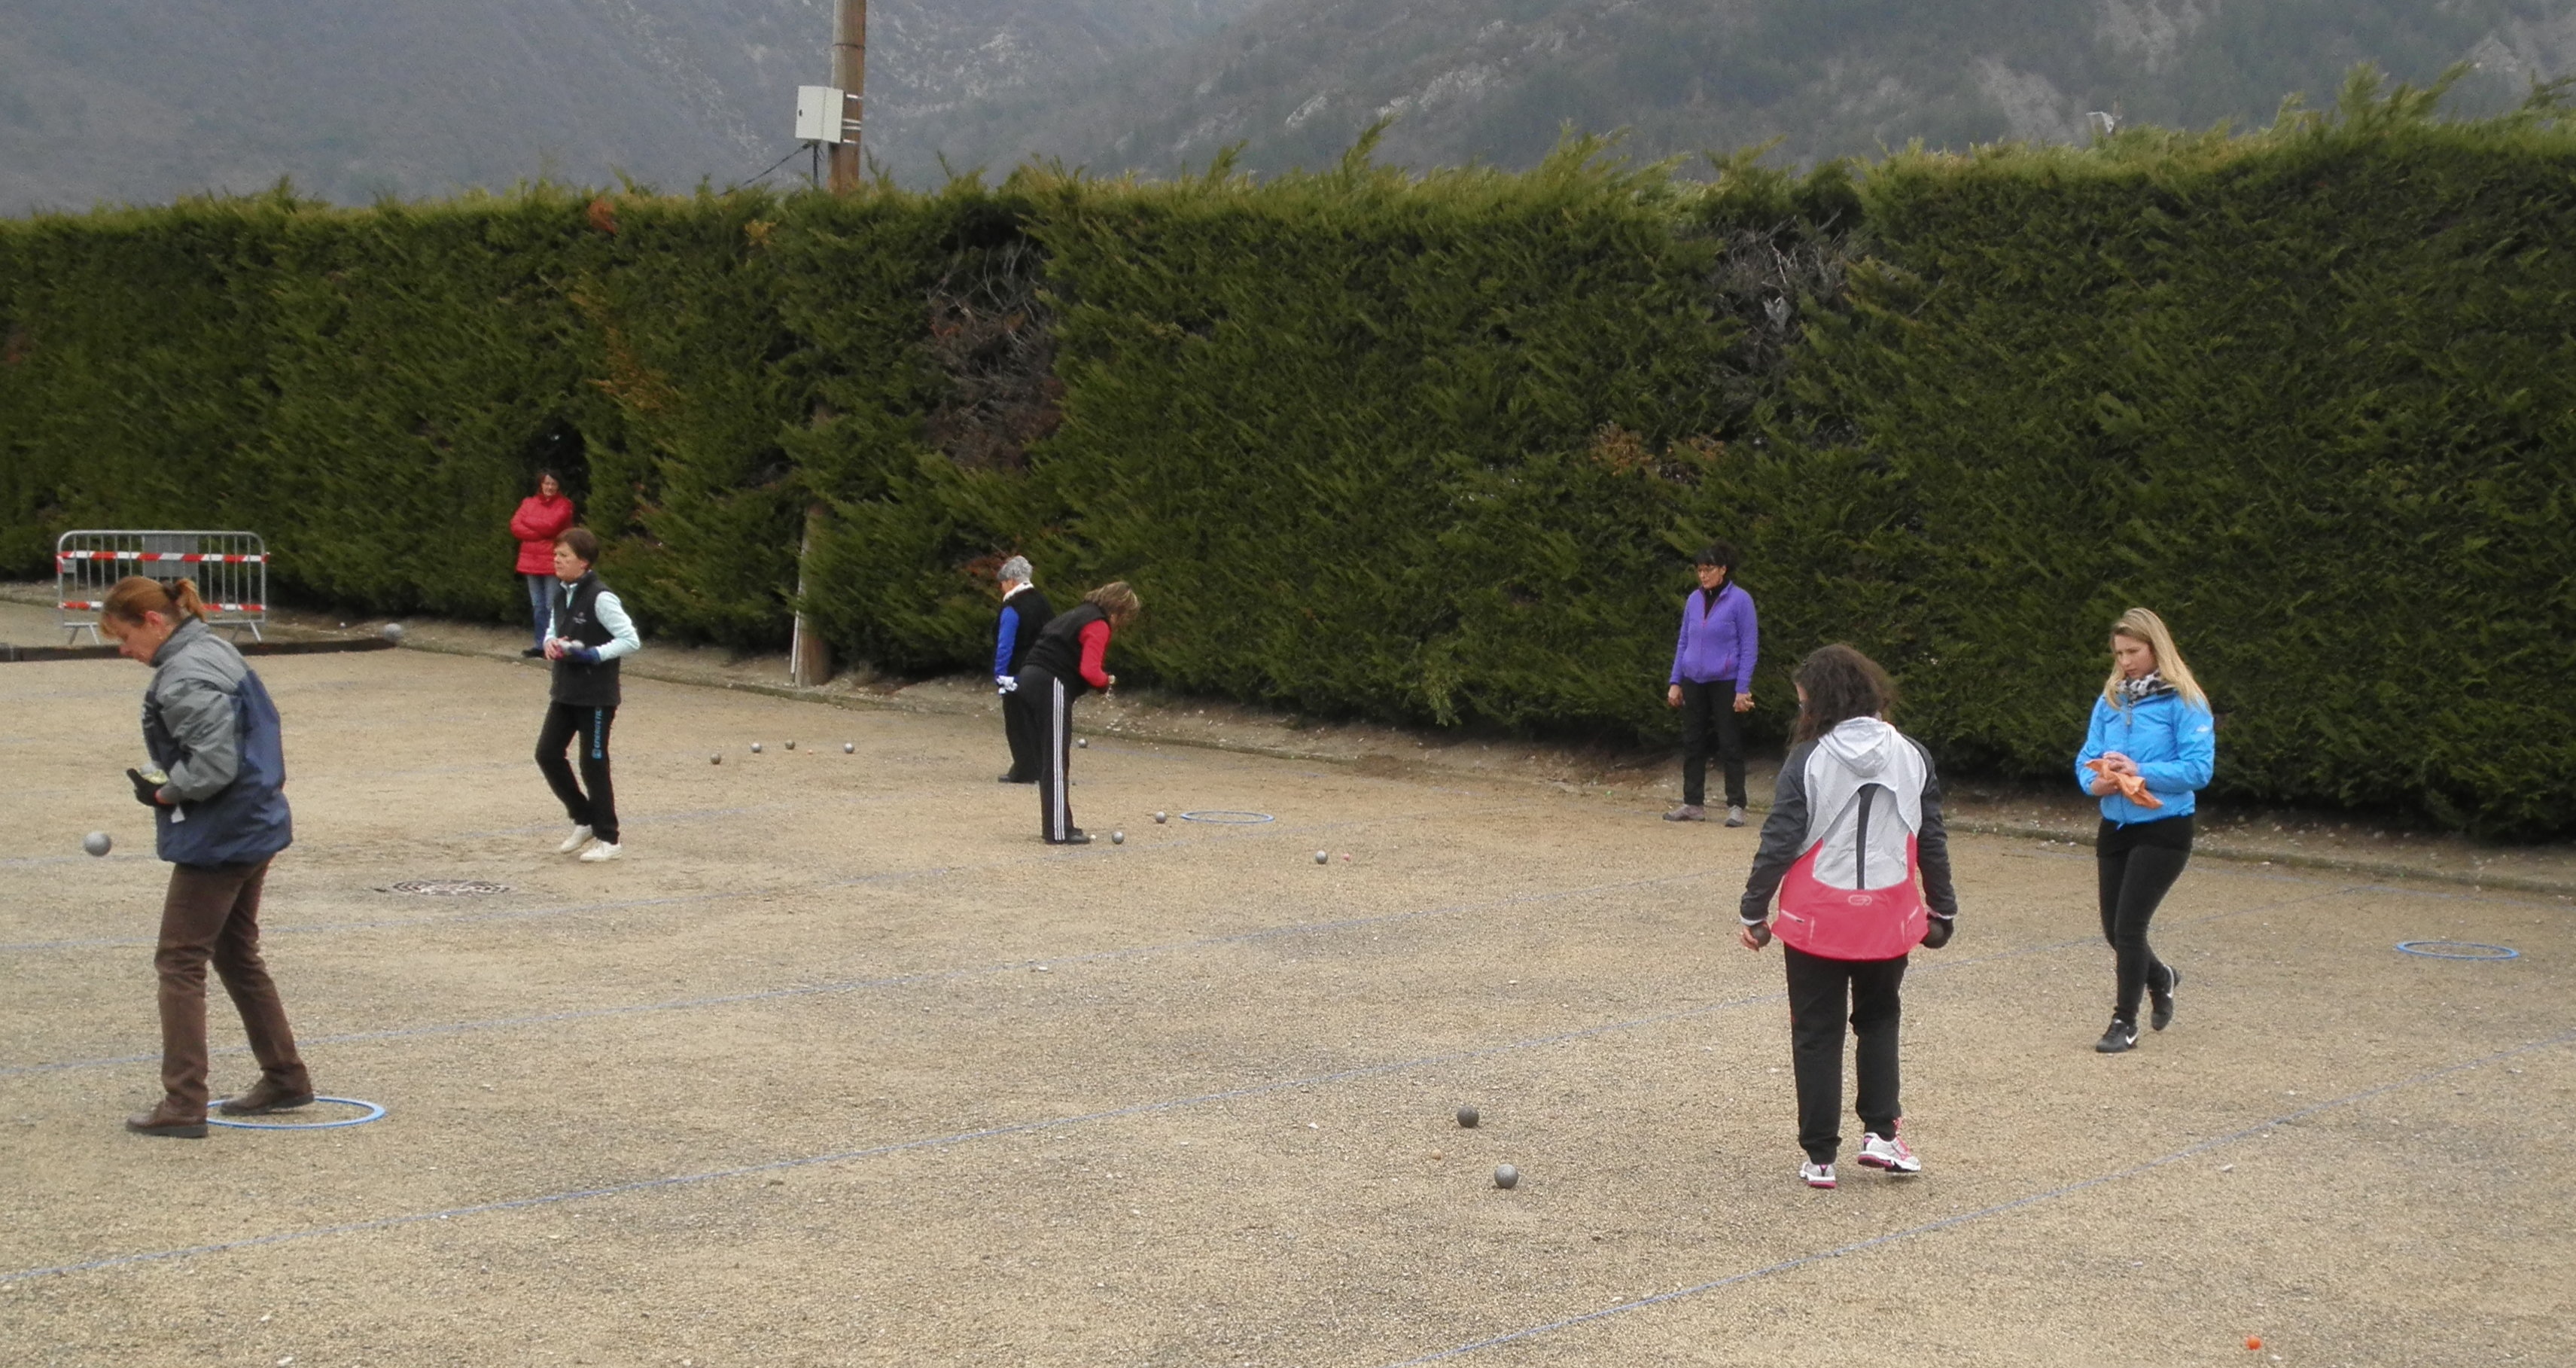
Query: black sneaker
2120	1039
534	652
2162	1003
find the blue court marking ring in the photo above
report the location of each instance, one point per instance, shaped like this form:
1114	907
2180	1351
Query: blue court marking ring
2444	949
375	1111
1224	818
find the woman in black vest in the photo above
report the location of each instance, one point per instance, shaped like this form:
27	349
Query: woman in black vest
589	633
1066	663
1025	612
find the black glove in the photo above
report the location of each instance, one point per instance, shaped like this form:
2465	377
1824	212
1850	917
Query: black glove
1936	932
146	791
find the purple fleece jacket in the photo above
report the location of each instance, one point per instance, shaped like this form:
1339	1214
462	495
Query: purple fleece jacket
1719	640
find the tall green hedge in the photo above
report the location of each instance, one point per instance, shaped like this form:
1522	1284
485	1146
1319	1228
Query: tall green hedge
1436	449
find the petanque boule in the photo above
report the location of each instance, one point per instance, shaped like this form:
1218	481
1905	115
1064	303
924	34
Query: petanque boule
98	843
1161	817
1322	858
1506	1177
1117	838
716	759
1467	1117
755	748
1082	742
791	745
849	748
393	631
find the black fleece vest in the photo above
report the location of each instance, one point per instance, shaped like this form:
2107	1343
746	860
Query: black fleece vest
1034	613
577	618
1059	648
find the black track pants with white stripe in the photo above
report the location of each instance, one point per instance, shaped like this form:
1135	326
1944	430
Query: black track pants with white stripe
1045	696
566	725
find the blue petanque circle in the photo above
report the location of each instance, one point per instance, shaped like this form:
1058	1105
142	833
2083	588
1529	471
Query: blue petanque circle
375	1112
1224	818
2445	949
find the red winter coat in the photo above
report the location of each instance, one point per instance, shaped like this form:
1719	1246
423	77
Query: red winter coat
537	523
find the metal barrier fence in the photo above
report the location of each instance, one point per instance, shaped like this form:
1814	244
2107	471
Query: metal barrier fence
230	568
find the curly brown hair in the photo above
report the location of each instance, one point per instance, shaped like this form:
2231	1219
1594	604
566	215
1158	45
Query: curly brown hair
1838	684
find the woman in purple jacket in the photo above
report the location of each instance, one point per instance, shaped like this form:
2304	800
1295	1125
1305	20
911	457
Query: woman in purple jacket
1712	683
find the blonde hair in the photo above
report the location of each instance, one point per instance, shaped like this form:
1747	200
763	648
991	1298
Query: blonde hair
1115	599
2142	624
135	595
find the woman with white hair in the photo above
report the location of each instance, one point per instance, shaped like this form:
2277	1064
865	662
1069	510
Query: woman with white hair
2150	748
1025	612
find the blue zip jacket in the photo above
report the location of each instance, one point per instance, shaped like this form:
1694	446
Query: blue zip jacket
2172	741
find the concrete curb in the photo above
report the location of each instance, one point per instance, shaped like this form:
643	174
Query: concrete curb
2371	869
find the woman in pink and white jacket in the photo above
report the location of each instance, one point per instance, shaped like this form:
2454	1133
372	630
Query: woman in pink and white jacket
1856	852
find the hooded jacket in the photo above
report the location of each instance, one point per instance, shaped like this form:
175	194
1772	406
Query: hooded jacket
2174	741
208	722
1855	820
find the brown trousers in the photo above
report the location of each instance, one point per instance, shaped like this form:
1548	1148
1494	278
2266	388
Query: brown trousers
212	912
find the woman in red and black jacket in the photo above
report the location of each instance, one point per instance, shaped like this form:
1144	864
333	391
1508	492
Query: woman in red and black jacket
542	517
1067	662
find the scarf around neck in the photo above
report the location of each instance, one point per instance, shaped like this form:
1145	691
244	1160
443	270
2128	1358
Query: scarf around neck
2149	685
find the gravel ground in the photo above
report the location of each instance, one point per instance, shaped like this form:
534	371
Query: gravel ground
841	1065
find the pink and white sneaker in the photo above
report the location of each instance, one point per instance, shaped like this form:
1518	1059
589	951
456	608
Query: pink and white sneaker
1889	1154
1816	1175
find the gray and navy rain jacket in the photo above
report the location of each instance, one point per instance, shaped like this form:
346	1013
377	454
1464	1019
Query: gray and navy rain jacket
209	724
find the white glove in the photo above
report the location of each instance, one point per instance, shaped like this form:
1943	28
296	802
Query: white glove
1005	684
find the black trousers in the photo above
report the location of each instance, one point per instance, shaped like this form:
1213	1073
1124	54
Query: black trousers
1710	722
1820	992
1053	705
566	723
1023	724
2138	864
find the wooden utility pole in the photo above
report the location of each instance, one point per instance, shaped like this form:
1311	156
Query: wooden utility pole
809	656
850	74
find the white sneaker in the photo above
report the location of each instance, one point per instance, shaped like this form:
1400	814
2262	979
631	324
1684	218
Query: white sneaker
580	837
1817	1175
601	851
1889	1154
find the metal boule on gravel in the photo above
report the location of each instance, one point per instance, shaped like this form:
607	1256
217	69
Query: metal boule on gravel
1506	1177
1467	1117
1323	858
849	747
98	843
1161	817
1117	838
716	759
791	745
393	631
1082	742
755	748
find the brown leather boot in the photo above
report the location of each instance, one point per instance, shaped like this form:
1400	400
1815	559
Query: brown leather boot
270	1094
167	1120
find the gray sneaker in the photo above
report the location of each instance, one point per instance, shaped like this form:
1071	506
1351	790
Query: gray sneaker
1687	812
1735	816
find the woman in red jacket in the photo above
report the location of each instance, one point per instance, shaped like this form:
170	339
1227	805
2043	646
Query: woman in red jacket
541	518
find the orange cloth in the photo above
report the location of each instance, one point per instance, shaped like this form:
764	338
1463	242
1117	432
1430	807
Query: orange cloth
2132	787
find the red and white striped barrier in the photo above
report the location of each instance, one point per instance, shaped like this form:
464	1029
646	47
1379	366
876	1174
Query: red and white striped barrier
230	570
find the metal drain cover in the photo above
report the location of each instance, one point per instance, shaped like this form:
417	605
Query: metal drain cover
448	888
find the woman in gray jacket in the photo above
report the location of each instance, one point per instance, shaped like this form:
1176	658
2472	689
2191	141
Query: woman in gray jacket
217	791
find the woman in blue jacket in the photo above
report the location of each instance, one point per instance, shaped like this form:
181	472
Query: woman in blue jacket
2149	749
219	815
